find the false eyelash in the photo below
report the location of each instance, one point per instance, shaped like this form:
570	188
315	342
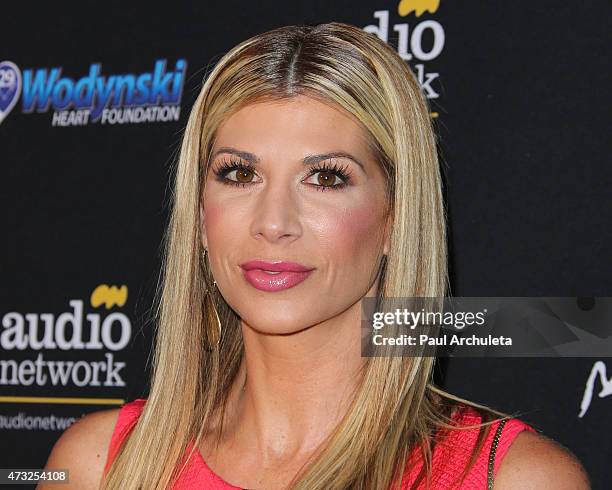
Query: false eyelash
341	171
227	166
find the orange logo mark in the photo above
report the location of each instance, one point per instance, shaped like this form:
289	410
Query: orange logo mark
419	7
109	296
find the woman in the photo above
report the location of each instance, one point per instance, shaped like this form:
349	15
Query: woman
307	180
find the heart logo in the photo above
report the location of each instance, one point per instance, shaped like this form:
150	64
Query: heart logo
10	87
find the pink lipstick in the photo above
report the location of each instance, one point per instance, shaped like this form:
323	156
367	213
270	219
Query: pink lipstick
274	276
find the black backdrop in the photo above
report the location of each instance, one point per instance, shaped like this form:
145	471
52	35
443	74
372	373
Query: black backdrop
518	93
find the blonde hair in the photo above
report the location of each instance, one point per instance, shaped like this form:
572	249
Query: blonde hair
343	65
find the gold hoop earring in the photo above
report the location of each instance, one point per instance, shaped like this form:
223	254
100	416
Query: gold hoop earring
217	337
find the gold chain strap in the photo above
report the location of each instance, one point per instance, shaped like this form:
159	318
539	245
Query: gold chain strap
492	453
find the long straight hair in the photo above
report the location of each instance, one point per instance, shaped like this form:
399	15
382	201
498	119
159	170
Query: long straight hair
396	407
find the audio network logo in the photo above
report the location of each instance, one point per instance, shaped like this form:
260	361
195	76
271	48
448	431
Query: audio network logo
74	330
418	42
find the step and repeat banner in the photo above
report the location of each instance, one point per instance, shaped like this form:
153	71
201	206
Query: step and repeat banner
93	103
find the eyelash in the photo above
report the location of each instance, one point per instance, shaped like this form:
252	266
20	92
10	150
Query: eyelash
340	171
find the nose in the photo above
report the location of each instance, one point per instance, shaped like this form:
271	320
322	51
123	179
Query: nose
276	215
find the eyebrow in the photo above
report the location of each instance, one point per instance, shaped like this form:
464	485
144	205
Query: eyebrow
308	160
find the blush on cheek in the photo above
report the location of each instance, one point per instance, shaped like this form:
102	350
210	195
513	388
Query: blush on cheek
226	223
356	228
212	217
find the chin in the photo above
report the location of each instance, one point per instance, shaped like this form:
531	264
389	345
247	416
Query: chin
278	323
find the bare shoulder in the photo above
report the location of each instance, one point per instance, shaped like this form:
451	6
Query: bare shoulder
535	461
82	450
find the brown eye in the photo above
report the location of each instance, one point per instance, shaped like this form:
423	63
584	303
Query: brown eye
326	179
244	175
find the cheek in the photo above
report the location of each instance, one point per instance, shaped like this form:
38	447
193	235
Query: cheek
213	220
353	233
211	216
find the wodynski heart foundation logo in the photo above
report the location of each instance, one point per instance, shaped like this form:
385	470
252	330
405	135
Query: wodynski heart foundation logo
149	96
10	87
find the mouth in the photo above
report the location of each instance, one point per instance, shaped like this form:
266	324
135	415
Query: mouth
274	276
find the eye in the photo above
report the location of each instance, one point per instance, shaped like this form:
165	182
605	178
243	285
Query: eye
242	175
234	172
330	176
326	178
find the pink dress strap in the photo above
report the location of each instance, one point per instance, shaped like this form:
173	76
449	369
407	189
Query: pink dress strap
512	428
452	453
197	474
128	416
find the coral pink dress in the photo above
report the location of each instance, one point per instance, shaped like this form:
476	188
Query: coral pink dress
450	456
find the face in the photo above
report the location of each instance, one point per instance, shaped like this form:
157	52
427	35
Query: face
294	195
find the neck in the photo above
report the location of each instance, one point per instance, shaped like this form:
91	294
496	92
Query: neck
293	389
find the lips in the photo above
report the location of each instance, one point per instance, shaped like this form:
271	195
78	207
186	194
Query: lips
274	276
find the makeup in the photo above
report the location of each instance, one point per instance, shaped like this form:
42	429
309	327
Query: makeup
274	276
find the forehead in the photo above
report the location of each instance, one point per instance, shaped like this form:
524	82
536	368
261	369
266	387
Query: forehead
299	124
